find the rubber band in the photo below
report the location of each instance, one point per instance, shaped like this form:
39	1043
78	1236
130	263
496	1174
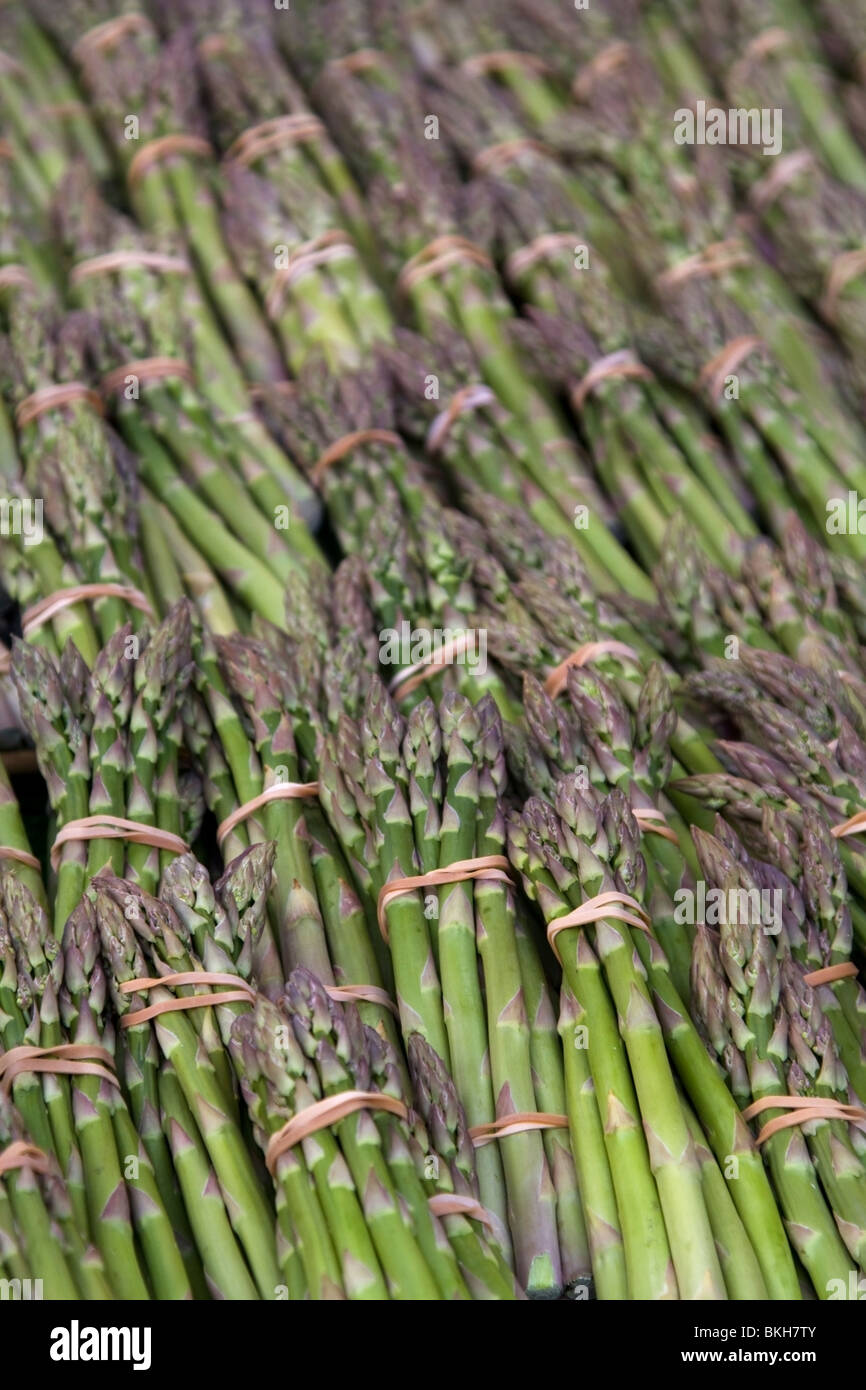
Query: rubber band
9	64
466	399
22	1155
324	1113
501	59
438	255
21	856
240	992
651	821
486	866
66	1059
767	42
15	276
129	259
828	974
495	156
361	61
623	364
272	135
526	256
803	1109
854	825
48	608
155	151
520	1122
785	169
363	994
412	676
6	150
611	905
557	679
844	268
452	1204
330	246
341	447
602	65
109	32
109	827
147	369
279	791
715	259
726	361
52	398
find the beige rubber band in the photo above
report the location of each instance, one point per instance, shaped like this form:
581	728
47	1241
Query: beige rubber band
767	42
14	276
845	969
325	1113
652	822
854	825
466	399
21	856
362	994
715	259
452	1204
726	361
519	1123
803	1109
22	1155
321	250
438	255
785	169
526	256
271	135
52	398
361	61
604	63
66	1059
147	369
341	447
155	151
48	608
123	260
279	791
844	268
605	906
501	59
411	677
495	156
486	866
239	992
109	32
584	656
623	364
116	828
6	150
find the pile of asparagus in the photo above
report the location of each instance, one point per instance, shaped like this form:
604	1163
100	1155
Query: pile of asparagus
433	851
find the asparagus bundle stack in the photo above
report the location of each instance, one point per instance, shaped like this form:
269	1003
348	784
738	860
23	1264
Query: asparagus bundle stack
37	1260
581	851
353	1198
765	1020
163	152
107	740
422	796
